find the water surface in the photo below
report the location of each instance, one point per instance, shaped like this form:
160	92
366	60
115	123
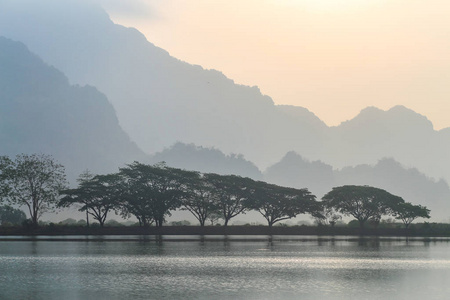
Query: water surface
235	267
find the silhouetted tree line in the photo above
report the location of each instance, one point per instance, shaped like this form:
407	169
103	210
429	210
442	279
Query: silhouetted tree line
11	216
151	192
366	203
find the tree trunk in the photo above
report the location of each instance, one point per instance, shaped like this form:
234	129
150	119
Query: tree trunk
361	224
34	216
34	221
159	222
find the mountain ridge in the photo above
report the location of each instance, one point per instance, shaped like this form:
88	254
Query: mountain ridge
43	113
409	183
161	100
121	63
69	121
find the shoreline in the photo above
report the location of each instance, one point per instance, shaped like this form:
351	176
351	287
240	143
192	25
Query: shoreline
373	240
296	231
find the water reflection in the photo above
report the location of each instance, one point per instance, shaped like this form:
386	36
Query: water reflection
232	267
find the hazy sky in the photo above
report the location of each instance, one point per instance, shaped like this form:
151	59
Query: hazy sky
334	57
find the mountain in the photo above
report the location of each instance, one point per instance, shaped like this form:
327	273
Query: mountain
295	171
206	160
303	115
42	113
408	183
399	133
161	100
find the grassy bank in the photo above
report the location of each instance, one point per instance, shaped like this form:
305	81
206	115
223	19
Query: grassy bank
425	230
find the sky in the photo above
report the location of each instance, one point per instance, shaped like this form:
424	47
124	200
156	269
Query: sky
334	57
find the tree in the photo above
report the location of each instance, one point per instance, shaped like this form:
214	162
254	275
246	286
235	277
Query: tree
11	215
200	198
33	181
232	193
214	218
276	203
5	163
154	190
361	202
98	196
86	175
327	216
408	212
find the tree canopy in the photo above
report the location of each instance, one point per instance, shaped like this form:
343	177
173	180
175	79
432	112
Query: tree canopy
10	215
98	196
152	192
407	212
327	216
232	193
33	181
200	198
156	189
361	202
276	203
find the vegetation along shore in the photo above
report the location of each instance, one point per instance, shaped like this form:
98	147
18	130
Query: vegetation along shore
151	192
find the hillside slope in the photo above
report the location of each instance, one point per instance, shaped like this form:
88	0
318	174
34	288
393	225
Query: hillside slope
42	113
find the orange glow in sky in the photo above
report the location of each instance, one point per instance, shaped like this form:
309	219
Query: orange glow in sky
334	57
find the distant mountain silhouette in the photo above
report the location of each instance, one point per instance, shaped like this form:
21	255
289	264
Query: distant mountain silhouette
295	171
399	133
42	113
303	115
161	100
207	160
387	174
